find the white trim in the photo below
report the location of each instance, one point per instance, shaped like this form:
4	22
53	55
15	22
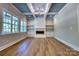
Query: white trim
78	17
68	44
47	7
52	13
31	8
47	10
15	8
27	13
10	44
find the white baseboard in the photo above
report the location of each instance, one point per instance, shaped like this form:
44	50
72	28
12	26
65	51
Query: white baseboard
11	43
68	44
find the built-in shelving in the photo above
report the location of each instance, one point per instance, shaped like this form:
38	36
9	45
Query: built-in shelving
49	28
30	28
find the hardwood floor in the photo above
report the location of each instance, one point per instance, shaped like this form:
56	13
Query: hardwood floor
39	47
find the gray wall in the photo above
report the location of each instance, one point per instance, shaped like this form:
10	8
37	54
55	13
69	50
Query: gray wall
12	10
9	39
66	25
0	18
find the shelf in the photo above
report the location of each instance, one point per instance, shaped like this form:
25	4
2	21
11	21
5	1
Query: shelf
49	25
49	29
30	28
30	25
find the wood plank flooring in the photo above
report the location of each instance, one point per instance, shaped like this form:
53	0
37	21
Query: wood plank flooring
39	47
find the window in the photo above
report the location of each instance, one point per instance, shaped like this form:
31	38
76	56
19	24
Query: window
15	24
11	23
23	26
6	22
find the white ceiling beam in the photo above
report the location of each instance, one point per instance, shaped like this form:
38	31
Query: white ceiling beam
27	13
45	13
47	9
31	8
38	13
52	13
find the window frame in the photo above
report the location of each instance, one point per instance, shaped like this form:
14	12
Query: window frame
9	22
23	26
15	24
6	16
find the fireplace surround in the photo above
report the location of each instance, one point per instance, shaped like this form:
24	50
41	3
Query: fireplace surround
39	32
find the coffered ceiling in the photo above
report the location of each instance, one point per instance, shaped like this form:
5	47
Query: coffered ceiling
55	7
37	9
22	7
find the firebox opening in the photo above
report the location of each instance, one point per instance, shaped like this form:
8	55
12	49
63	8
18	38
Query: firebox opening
39	32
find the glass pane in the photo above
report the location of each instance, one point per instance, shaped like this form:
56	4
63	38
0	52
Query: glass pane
6	22
13	30
23	26
9	26
15	24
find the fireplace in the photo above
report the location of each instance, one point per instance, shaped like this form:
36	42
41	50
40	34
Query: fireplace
39	32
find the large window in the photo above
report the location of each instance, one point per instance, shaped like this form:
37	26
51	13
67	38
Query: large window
15	24
6	22
23	26
10	23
